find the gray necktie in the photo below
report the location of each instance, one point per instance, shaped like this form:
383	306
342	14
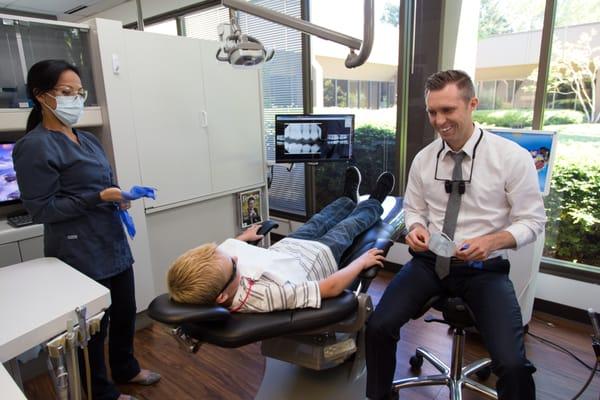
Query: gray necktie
442	264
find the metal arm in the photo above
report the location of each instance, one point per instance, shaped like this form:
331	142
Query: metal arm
353	59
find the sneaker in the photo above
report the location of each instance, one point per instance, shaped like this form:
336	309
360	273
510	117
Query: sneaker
383	187
352	183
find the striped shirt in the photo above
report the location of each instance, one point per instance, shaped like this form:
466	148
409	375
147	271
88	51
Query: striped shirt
265	294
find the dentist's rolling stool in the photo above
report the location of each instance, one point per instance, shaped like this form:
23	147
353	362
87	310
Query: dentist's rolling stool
459	317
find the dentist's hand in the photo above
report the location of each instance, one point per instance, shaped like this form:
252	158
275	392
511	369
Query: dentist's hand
476	249
418	238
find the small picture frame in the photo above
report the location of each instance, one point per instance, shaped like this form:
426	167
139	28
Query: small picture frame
250	204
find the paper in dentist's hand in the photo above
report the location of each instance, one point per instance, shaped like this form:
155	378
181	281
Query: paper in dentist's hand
440	244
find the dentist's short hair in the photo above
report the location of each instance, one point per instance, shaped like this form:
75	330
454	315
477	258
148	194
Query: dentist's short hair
441	79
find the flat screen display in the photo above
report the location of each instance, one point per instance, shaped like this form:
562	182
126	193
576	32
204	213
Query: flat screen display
542	147
313	138
9	190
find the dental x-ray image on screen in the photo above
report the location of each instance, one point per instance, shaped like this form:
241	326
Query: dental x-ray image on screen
313	138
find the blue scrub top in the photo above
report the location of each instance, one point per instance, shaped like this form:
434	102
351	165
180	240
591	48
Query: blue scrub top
60	183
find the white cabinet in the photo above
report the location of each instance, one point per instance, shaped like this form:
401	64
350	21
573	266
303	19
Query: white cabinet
169	115
198	123
20	244
235	125
9	254
32	248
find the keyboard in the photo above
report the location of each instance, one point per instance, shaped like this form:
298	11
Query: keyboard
20	220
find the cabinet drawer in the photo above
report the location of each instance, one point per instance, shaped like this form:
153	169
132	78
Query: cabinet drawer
9	254
32	248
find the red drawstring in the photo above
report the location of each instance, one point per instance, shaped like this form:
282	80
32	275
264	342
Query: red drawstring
245	298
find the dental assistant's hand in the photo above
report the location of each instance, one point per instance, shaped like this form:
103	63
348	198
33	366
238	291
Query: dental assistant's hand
111	194
418	238
250	234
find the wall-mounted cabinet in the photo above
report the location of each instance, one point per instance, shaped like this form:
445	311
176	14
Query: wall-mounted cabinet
197	123
25	41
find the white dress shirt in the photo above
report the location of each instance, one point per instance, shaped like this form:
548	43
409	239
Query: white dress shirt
503	193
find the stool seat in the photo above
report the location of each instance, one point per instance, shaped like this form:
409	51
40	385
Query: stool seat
457	314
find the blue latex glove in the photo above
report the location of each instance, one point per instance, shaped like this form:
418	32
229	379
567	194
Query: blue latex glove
137	192
128	222
134	193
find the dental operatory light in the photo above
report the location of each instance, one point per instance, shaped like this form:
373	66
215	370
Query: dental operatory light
238	49
245	51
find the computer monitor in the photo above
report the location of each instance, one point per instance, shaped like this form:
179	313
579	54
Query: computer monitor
542	147
9	190
313	138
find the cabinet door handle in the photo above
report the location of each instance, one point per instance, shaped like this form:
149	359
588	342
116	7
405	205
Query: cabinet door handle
204	119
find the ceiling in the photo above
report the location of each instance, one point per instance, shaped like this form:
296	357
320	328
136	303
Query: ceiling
62	9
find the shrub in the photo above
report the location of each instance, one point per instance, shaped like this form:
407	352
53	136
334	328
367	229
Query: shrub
512	118
573	210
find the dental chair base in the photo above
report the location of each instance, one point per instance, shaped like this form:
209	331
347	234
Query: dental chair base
291	382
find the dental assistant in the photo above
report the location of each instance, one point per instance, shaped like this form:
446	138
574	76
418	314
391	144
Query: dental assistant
67	184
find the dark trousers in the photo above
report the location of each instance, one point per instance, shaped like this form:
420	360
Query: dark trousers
123	364
339	223
491	297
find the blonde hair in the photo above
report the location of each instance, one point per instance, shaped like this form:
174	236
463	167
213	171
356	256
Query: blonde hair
195	276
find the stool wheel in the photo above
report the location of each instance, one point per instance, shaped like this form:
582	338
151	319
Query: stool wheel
416	362
484	373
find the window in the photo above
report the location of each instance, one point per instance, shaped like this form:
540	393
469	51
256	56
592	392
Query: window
573	205
168	27
369	91
281	83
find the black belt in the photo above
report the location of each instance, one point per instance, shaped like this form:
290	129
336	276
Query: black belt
496	264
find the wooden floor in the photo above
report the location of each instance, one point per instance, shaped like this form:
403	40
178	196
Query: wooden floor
230	374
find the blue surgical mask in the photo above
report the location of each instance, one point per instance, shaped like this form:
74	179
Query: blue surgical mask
68	109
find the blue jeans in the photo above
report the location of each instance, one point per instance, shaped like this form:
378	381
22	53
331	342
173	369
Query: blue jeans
339	223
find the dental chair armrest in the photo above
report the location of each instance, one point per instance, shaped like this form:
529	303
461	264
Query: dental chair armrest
382	244
169	312
265	227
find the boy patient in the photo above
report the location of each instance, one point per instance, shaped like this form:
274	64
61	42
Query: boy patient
296	272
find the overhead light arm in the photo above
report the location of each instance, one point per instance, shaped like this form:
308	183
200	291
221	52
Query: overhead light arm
353	59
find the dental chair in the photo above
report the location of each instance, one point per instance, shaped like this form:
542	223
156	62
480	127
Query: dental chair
316	339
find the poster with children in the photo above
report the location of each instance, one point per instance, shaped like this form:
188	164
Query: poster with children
542	147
